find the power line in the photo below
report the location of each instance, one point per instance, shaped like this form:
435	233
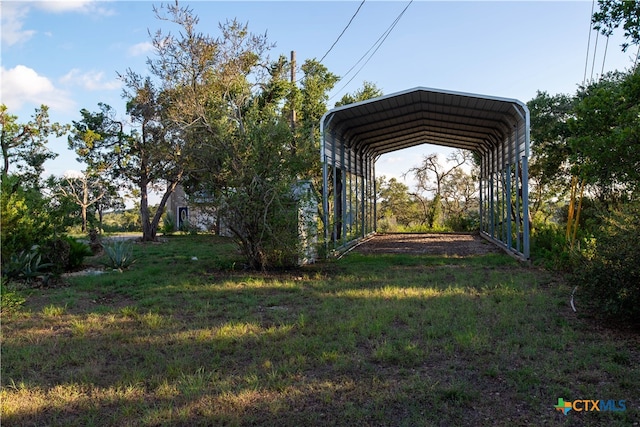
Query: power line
378	43
345	29
595	50
586	61
335	42
606	47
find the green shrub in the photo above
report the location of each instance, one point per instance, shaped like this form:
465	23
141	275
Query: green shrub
25	265
549	246
26	219
610	276
119	254
188	228
65	253
77	252
168	224
464	222
56	251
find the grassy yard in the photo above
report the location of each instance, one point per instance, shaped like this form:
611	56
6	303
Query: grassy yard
368	340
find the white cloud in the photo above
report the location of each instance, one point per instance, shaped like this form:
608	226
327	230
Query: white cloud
11	23
23	85
72	173
140	49
90	80
395	159
81	6
13	15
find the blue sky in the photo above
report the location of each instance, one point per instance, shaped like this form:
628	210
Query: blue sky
67	54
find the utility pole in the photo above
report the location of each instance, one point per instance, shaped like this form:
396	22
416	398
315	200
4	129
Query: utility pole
293	82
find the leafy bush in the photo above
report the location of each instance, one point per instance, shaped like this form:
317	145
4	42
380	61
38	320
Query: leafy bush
188	228
464	222
610	276
387	224
77	252
25	218
65	253
119	255
549	246
56	251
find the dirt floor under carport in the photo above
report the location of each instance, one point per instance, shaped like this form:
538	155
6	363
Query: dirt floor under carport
449	244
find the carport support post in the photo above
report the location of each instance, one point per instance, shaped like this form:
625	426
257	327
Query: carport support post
509	213
363	198
525	181
518	188
325	201
491	198
480	192
525	204
509	194
343	195
373	200
325	179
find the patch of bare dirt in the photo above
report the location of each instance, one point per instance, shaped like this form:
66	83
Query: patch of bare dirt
449	244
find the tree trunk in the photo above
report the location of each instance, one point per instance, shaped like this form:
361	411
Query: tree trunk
5	157
100	216
150	225
85	203
148	232
84	218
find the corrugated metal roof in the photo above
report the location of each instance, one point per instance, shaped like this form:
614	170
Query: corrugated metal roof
426	116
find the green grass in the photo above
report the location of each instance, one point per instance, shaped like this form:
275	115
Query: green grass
367	340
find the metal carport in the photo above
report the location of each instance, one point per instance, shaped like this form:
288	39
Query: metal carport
356	135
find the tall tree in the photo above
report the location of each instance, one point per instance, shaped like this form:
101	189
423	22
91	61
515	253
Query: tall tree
230	102
605	135
149	157
431	176
613	13
368	90
85	190
459	193
316	84
549	166
25	144
395	201
158	153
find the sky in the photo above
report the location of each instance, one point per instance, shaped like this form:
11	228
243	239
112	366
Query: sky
67	54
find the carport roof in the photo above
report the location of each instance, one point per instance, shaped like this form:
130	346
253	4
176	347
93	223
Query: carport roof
427	116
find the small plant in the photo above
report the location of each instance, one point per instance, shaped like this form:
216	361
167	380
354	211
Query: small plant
26	265
168	224
77	252
53	310
188	228
119	255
